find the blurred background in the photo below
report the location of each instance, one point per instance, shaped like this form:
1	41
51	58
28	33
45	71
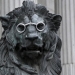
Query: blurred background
66	32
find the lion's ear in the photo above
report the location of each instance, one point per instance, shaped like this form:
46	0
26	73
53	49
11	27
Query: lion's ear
5	21
56	19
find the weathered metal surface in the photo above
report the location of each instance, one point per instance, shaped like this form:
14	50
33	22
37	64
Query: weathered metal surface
29	43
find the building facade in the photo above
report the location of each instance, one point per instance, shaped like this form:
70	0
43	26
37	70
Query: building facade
66	9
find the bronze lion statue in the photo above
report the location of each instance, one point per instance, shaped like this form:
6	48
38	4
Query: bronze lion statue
29	44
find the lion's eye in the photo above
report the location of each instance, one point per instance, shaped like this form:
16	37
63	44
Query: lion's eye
20	28
40	26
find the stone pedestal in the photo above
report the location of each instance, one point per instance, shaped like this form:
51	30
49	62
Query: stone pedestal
67	33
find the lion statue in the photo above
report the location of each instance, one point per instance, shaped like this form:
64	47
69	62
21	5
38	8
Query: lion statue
29	44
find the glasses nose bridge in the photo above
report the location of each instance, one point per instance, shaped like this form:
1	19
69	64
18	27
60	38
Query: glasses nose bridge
31	27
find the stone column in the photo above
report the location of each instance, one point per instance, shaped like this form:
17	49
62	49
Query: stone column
49	4
9	5
43	2
0	22
67	33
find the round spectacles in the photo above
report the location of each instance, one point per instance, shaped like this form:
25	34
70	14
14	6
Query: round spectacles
22	27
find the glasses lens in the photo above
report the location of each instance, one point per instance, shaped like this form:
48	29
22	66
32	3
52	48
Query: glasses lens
40	26
20	28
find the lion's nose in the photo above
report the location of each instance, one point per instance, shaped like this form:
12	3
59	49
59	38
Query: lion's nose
31	33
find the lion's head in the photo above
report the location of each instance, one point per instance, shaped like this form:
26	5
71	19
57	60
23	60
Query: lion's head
30	37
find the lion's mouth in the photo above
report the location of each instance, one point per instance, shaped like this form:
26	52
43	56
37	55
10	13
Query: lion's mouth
31	51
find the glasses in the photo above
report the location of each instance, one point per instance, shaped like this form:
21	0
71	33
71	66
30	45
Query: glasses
22	27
